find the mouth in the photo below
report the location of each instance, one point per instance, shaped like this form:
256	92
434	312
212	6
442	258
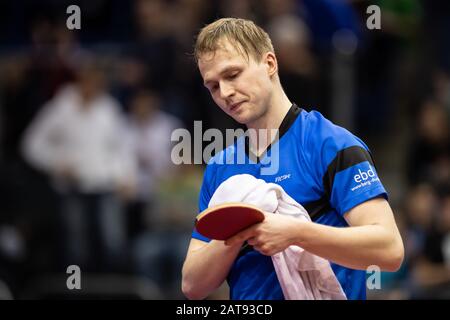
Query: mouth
235	106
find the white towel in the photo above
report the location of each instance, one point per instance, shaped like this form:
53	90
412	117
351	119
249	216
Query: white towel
302	275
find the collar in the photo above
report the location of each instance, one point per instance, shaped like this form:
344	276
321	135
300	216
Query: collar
285	125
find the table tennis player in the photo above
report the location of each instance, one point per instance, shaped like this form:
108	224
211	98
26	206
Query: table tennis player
323	167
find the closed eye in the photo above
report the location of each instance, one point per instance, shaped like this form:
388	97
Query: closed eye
214	87
233	75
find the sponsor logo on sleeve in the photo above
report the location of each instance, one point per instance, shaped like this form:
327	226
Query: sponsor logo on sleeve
365	178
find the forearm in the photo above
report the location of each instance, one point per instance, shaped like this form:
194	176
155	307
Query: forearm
206	268
353	247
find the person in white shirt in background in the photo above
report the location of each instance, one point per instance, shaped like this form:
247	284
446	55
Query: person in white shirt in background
78	140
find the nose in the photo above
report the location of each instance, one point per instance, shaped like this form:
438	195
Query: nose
226	90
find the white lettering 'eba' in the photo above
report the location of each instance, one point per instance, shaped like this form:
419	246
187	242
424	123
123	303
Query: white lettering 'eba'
364	175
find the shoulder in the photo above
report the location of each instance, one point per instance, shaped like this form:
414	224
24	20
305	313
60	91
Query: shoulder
110	110
318	129
66	92
324	139
61	105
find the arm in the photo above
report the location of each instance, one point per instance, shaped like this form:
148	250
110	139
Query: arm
371	239
206	267
41	141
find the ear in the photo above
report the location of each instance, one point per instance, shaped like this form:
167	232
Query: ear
272	64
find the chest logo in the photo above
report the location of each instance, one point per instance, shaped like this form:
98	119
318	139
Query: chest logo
283	177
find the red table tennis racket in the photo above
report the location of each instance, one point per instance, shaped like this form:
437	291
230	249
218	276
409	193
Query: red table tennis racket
224	221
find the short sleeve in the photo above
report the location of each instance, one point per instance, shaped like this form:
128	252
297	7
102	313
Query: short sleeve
341	163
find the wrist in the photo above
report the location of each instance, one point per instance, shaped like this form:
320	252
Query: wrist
300	231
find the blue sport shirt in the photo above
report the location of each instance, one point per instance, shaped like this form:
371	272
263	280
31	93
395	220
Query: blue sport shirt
323	167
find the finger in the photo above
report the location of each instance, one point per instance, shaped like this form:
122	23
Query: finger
266	213
237	238
264	250
260	249
252	241
241	236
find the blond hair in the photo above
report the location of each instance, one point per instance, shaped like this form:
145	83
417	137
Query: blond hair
248	39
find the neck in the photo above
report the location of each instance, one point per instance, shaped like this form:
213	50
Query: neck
279	106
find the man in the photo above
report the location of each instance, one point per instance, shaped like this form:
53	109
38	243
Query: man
325	168
77	140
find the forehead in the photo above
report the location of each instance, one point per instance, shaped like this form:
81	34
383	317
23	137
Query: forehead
226	55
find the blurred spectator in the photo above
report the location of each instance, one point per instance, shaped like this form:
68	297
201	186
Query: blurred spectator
436	22
158	231
131	74
159	253
421	204
150	130
441	88
77	139
431	272
154	43
430	148
325	18
297	68
13	93
32	79
245	9
275	8
13	253
53	55
382	65
445	220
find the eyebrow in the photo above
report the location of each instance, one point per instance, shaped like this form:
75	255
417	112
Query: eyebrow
227	69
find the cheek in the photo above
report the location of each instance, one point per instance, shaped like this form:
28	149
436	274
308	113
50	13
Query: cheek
261	84
259	90
218	101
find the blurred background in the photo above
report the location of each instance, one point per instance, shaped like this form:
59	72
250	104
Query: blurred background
86	117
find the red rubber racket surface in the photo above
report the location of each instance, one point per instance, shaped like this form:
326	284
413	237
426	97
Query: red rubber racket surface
224	221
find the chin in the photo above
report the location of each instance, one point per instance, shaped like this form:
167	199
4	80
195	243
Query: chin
244	116
242	119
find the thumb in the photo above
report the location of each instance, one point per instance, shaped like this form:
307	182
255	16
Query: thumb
241	236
